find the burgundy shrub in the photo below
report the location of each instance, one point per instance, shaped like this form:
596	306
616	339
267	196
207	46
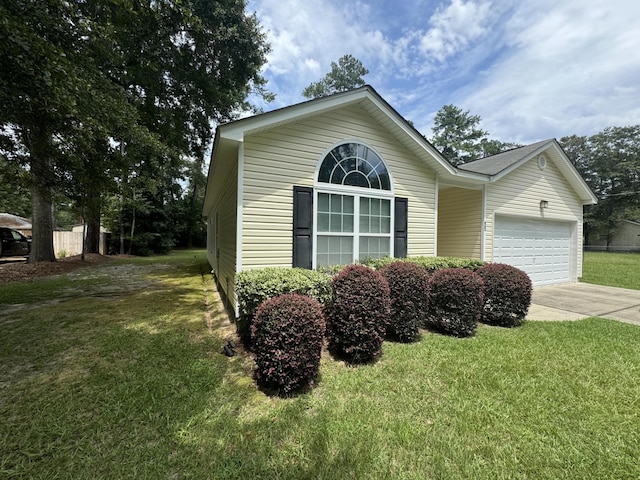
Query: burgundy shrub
507	294
409	286
456	298
358	313
287	334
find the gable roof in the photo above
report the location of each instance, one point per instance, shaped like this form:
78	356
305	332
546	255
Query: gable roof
474	174
497	166
366	98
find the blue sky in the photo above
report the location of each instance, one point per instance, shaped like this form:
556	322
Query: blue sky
532	69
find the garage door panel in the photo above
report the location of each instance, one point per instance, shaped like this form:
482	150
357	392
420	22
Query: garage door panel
541	248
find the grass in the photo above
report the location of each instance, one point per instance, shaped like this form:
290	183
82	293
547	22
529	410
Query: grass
124	378
612	269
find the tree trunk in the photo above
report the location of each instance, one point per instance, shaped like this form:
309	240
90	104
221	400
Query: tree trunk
93	224
133	222
41	170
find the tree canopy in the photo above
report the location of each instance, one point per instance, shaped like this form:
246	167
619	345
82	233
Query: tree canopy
81	79
458	136
609	161
344	75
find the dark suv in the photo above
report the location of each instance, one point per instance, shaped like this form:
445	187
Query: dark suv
13	243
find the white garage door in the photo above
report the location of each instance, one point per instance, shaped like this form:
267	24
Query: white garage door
541	248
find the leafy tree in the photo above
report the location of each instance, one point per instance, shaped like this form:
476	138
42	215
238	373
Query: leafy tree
609	161
80	77
14	189
458	136
344	75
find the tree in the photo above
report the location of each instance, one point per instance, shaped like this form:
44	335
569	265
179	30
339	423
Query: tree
344	75
609	161
78	78
458	136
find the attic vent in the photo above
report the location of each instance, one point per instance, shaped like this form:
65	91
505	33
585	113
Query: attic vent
542	162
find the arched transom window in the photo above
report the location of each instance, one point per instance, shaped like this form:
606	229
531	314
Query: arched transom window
355	165
352	223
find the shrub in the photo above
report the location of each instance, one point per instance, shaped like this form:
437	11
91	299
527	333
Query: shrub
409	287
456	297
358	313
287	335
255	286
507	294
430	263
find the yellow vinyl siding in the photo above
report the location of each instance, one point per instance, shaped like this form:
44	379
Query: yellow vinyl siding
519	194
277	160
223	203
459	223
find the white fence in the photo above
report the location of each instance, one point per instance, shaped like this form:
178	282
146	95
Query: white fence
70	243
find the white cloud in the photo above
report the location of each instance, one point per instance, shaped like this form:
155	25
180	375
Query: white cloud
454	27
573	69
531	70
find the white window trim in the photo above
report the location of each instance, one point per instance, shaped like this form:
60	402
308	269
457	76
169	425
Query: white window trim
357	193
362	192
317	184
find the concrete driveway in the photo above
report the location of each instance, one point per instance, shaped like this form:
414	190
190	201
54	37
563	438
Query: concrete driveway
574	301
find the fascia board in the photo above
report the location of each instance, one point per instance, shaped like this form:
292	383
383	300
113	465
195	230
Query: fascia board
412	133
240	128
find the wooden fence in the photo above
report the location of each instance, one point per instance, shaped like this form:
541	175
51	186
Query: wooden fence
67	244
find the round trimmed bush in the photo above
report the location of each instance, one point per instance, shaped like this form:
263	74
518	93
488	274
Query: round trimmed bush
409	287
358	313
507	294
255	286
287	335
456	298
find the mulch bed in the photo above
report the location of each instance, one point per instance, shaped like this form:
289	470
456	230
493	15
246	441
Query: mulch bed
23	271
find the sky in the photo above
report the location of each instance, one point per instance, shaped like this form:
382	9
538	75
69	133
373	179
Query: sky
531	69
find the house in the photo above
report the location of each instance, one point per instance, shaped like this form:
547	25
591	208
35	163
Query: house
344	177
626	238
20	224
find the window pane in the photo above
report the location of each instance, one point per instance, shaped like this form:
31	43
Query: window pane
338	175
384	181
364	224
349	164
386	208
356	179
325	168
323	222
347	203
347	223
335	250
375	206
385	225
374	247
375	224
364	205
336	223
336	204
323	202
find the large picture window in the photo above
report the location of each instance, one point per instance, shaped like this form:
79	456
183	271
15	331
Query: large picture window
353	206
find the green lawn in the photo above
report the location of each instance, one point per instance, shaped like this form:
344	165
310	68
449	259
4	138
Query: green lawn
613	269
116	372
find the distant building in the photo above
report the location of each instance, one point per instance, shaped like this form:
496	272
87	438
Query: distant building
17	223
626	238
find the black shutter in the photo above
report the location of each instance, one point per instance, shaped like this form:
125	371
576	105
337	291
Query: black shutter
400	233
302	227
